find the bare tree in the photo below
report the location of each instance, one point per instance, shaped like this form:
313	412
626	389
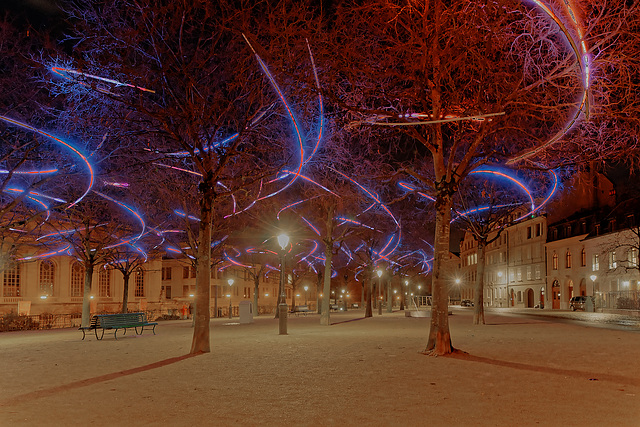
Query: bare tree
492	96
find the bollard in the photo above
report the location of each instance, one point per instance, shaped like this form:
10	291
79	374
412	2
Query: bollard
282	318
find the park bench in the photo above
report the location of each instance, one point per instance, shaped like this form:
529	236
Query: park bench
117	321
304	309
334	307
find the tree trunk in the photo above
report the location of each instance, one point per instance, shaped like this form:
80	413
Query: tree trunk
439	342
368	309
319	299
256	292
478	298
328	257
389	298
200	342
86	297
326	291
125	291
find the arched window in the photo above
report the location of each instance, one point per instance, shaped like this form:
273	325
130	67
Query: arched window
555	261
139	282
47	270
104	283
11	282
583	258
77	279
568	259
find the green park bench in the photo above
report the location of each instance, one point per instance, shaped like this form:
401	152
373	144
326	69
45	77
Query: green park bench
118	321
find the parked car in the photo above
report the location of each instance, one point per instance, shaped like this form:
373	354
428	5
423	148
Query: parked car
579	302
466	303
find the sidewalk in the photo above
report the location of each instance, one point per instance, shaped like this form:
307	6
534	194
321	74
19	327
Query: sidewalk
631	320
517	371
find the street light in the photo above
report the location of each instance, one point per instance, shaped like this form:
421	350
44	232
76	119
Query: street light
593	278
283	241
379	273
306	288
230	282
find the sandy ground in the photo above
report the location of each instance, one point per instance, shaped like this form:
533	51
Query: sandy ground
518	371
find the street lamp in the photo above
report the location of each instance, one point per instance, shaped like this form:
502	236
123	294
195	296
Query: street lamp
379	273
230	282
283	241
593	278
306	288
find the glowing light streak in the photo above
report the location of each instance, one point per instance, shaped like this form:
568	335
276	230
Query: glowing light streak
48	254
580	50
510	178
443	120
59	141
275	86
184	215
35	194
551	192
320	104
371	194
293	204
37	172
234	262
63	72
411	188
117	184
134	213
351	221
179	169
172	249
311	226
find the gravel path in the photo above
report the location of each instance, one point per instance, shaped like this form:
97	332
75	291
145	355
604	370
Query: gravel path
516	371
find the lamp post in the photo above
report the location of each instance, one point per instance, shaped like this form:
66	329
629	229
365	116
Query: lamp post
230	282
306	288
379	273
593	278
283	241
406	292
344	301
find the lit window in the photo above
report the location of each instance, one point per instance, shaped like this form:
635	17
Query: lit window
11	284
104	283
166	273
583	258
595	264
139	279
568	259
47	270
612	260
633	257
555	261
77	279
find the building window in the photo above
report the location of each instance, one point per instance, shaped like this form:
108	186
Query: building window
537	272
11	283
595	263
583	258
47	270
166	273
568	259
529	272
612	260
77	279
104	283
555	261
568	230
529	232
633	257
193	272
139	279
